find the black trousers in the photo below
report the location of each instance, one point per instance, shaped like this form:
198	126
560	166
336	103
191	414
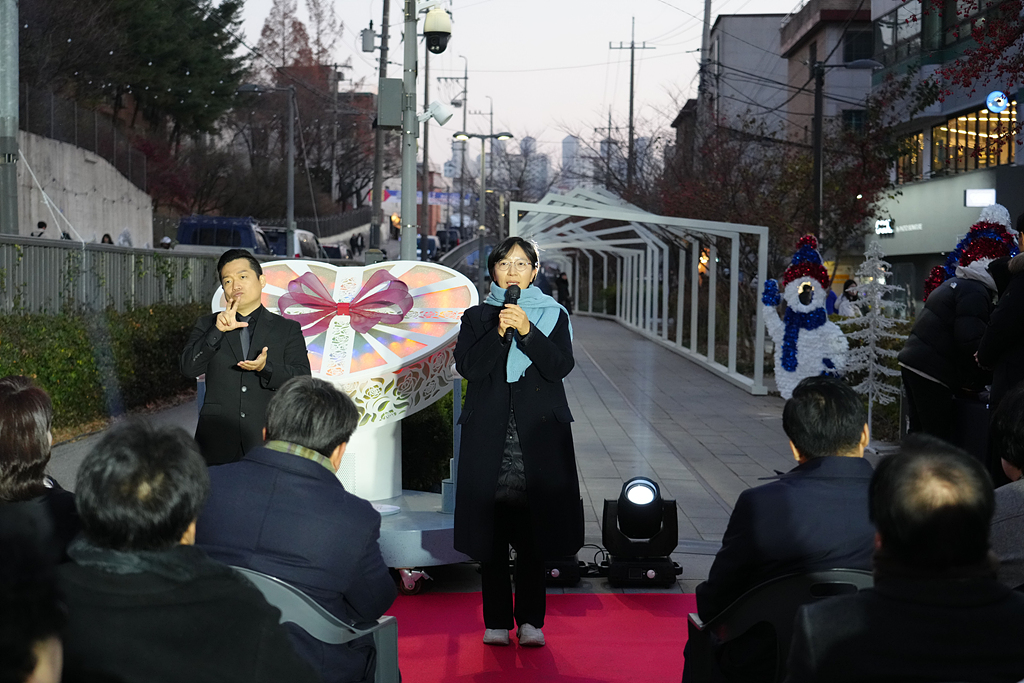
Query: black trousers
931	406
512	526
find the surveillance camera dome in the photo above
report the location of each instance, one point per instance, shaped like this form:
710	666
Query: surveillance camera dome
437	28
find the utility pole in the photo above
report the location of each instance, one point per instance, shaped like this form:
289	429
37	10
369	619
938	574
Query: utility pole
373	252
630	161
462	166
9	117
608	149
410	129
482	202
425	216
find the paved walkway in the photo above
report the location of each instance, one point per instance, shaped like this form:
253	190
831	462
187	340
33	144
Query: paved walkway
640	410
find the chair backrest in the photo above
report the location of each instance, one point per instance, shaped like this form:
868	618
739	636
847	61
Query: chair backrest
776	602
300	609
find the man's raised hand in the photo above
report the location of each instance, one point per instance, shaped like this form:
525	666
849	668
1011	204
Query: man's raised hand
226	320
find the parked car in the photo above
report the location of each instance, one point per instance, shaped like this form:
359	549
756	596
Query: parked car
433	247
337	251
304	245
223	232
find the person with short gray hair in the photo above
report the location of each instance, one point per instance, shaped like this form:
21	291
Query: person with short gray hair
283	511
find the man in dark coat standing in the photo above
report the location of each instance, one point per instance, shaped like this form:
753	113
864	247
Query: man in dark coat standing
247	353
282	511
936	612
811	518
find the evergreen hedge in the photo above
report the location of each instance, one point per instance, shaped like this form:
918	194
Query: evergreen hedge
99	364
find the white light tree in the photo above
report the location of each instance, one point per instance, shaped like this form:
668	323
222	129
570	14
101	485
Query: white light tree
871	330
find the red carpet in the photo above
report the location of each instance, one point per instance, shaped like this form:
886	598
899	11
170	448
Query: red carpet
606	638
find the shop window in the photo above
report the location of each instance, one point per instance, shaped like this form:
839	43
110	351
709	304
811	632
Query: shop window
976	139
909	166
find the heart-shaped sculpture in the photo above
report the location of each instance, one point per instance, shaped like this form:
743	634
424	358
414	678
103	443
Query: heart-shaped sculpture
384	334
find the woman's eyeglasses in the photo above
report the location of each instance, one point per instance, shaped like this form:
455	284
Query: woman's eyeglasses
518	265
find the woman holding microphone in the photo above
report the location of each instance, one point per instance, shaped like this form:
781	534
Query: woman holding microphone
517	480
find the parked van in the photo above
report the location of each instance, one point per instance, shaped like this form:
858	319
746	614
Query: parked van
223	232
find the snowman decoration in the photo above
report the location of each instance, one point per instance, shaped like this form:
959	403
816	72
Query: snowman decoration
807	344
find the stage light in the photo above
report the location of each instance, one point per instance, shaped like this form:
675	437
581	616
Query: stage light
640	531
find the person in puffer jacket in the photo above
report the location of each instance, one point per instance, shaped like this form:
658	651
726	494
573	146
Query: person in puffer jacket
938	359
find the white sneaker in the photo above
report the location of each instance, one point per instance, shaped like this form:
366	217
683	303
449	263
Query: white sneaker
496	636
530	636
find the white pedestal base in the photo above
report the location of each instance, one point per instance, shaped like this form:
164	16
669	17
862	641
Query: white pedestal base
372	465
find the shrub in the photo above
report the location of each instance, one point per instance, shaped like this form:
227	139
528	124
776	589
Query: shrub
96	365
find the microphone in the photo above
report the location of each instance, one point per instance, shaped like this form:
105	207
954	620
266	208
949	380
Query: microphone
511	297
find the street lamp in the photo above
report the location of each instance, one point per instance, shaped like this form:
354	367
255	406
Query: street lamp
482	204
290	218
818	71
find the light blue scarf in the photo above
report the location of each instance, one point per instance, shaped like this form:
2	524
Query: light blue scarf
542	312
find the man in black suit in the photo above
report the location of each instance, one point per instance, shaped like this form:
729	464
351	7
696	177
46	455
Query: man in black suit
813	517
936	612
282	511
247	353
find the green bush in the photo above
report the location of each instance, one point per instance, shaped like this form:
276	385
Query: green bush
99	364
427	446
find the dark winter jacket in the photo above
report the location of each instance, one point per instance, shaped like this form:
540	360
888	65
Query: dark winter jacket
947	333
168	616
543	423
1002	347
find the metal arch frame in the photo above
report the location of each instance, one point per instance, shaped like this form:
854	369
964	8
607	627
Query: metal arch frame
642	304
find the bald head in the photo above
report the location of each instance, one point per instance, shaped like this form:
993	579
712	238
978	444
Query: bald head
932	504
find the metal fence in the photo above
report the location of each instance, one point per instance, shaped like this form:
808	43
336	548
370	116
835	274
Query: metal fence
55	276
43	113
328	226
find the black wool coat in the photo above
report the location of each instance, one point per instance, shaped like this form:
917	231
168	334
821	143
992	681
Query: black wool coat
543	420
233	413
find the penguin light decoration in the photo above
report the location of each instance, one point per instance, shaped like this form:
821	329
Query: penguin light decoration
806	342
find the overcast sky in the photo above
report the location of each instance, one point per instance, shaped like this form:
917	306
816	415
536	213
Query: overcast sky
545	63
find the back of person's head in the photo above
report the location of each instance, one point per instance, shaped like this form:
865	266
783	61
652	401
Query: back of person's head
824	417
26	413
141	487
932	504
31	612
235	254
312	413
1007	435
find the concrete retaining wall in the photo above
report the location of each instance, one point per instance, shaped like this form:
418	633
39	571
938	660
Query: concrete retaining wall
93	196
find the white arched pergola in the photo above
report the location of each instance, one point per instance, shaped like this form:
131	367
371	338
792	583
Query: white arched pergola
577	224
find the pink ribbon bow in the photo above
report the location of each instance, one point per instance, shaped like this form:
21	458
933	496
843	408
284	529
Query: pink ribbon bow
308	292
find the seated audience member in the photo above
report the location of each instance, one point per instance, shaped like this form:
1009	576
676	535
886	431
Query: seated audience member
282	511
1008	521
143	604
31	615
813	517
25	440
936	612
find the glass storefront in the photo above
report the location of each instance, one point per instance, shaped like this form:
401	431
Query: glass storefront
973	140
